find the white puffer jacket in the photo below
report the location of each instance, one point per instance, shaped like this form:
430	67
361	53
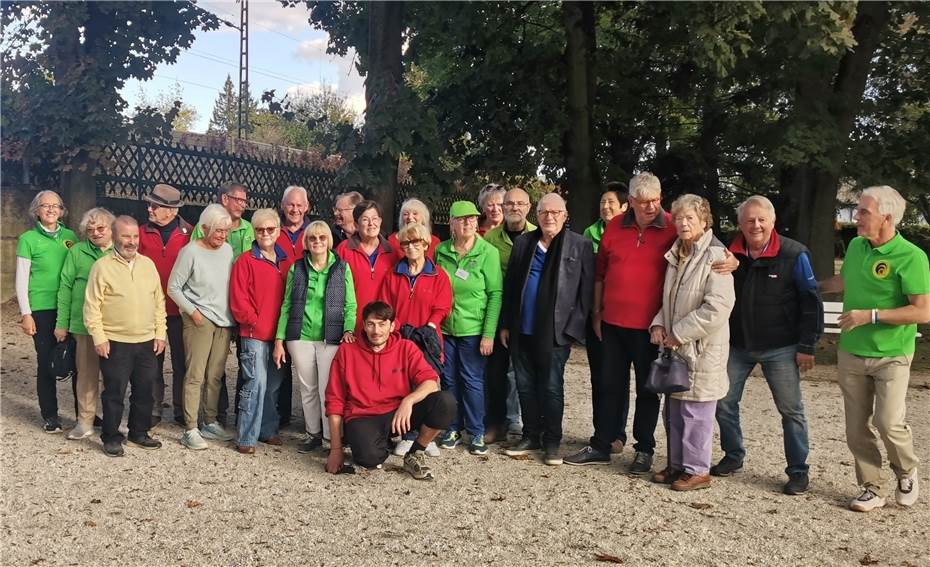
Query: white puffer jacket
700	317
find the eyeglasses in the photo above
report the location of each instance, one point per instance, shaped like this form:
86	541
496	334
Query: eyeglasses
220	231
101	229
554	214
470	219
516	204
265	229
655	202
370	220
241	200
411	243
50	206
345	210
316	238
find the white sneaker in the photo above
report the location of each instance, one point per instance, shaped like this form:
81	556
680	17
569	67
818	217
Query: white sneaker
906	492
866	502
193	440
215	431
80	431
402	447
432	450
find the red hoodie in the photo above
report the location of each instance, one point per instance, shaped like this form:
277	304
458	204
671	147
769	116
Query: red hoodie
164	255
428	300
363	382
367	277
256	290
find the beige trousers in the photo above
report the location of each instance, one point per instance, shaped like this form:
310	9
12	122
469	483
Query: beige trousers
205	351
874	391
312	360
88	381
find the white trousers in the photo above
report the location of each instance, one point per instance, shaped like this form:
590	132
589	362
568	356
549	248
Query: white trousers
312	360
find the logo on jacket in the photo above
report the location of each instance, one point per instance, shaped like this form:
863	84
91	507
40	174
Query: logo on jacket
68	243
881	269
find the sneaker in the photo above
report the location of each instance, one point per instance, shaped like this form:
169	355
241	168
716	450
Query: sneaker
642	463
52	425
866	501
432	450
523	447
402	447
193	440
552	457
113	448
587	456
80	431
687	481
477	446
415	464
726	467
616	447
797	484
144	442
310	444
216	432
905	493
450	440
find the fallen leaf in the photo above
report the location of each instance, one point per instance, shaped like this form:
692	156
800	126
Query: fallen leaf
700	505
497	499
867	560
772	511
194	503
95	501
608	558
90	523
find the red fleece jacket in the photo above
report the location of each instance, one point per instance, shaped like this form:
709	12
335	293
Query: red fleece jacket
363	382
256	290
164	255
367	278
429	300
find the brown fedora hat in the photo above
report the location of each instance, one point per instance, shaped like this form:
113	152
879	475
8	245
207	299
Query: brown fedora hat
165	196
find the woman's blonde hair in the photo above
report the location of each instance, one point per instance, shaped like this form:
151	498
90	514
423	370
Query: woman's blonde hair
262	215
317	228
97	215
414	231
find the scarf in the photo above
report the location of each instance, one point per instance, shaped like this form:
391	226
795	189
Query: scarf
543	338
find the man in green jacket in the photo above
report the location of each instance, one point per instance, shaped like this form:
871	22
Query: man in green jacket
503	404
95	226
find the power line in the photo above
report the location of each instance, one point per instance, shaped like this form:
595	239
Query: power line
260	70
272	30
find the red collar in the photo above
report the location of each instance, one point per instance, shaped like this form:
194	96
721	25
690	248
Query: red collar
738	246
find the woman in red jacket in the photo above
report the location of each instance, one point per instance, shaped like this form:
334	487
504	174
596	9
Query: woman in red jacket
420	293
256	290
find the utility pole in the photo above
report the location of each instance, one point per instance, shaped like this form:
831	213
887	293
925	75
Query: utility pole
243	70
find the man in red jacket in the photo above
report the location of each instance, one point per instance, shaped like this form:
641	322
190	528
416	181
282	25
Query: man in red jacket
379	386
161	239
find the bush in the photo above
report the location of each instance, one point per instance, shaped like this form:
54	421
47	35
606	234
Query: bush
919	235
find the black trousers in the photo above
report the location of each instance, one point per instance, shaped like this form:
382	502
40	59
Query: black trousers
178	369
496	386
369	436
286	393
46	383
622	347
128	363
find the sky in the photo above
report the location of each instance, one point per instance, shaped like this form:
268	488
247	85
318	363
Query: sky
285	54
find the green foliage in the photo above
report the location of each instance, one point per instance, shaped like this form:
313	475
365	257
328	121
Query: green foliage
170	104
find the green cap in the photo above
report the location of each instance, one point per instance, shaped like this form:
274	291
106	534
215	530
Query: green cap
463	209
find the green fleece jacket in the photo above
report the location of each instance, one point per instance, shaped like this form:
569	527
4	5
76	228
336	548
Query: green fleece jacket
78	262
499	238
477	289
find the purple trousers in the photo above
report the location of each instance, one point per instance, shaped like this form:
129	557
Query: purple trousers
689	428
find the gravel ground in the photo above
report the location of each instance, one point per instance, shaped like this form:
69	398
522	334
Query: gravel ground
65	503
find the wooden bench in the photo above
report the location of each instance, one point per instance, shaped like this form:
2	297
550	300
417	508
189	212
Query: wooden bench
831	314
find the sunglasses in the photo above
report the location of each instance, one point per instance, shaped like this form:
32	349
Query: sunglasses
265	229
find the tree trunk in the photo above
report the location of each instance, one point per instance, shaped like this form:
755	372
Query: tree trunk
384	81
812	186
78	186
582	178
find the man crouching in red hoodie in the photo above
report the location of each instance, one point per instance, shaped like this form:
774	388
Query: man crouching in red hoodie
381	385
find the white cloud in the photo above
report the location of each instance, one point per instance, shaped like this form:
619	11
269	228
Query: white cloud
264	15
313	49
347	80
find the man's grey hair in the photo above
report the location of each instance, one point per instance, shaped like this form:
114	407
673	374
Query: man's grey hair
645	185
123	219
758	200
417	205
98	216
34	205
890	202
213	216
551	197
292	189
489	191
228	188
354	197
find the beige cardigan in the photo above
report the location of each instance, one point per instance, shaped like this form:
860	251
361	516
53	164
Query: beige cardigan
699	317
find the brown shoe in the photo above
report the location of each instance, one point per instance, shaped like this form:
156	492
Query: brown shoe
616	447
245	449
668	475
273	440
495	434
688	481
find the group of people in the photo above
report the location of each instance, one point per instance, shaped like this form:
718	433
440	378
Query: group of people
406	344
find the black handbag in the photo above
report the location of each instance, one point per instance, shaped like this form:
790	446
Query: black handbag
63	360
668	374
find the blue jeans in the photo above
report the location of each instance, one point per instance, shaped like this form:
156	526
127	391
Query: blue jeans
261	381
781	372
542	391
463	377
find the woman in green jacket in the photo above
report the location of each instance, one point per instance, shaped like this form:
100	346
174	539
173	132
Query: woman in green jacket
40	254
95	226
474	269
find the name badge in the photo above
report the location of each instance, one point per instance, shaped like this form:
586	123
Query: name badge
461	274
